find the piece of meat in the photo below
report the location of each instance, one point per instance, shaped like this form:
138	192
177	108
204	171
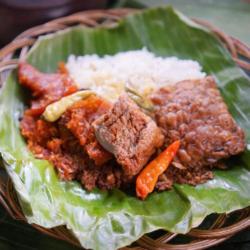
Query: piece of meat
129	134
194	112
45	88
79	119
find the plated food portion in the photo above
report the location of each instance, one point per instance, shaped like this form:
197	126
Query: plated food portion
122	122
132	121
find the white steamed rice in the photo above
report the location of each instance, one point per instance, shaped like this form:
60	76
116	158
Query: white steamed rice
139	69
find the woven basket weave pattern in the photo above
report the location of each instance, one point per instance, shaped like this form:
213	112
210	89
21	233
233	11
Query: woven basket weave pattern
198	238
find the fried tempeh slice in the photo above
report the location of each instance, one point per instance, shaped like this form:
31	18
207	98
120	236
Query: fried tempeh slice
194	112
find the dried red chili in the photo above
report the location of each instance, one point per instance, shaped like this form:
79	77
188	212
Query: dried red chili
148	177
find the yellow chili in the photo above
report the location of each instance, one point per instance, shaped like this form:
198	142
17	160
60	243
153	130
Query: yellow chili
56	109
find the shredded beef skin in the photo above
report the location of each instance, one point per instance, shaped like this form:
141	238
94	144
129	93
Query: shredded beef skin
79	119
129	134
45	88
194	112
57	144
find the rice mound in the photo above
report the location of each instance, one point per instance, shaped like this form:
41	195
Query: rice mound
140	70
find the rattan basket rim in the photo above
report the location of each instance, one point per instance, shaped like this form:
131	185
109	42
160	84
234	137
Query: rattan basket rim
218	232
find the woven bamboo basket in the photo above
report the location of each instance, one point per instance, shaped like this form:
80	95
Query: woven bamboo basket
223	226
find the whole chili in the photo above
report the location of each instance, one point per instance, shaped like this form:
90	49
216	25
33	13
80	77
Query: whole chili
146	180
54	110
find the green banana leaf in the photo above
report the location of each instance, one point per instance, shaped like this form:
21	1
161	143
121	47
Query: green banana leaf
109	220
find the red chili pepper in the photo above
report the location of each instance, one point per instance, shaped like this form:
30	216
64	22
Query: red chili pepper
146	180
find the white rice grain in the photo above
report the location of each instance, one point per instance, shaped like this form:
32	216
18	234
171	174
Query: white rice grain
139	69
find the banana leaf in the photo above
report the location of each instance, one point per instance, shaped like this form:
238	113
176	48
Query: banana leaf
109	220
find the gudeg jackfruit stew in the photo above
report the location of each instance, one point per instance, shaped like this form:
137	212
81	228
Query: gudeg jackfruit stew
129	121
